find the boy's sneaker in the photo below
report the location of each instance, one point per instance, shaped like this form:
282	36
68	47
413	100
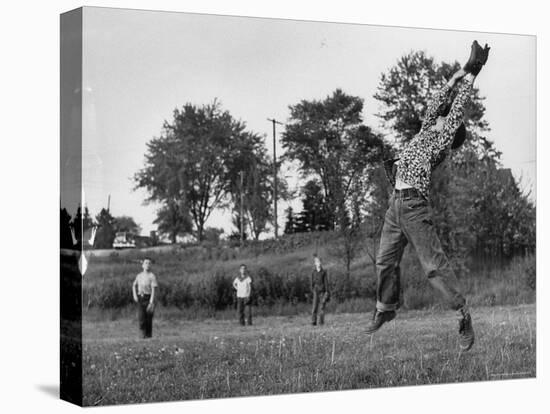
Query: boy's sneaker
465	329
379	319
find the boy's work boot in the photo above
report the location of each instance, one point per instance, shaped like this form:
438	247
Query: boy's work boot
465	329
379	319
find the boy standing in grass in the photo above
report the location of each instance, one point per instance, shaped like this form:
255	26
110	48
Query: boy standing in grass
243	285
143	290
320	291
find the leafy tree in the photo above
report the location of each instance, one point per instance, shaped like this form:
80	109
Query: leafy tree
375	203
193	161
315	210
258	197
106	231
126	223
490	218
212	234
173	220
236	221
256	188
329	140
474	208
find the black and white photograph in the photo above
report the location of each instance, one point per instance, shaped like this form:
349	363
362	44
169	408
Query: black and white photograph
260	206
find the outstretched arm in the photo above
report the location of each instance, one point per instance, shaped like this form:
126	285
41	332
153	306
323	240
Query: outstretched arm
440	99
456	114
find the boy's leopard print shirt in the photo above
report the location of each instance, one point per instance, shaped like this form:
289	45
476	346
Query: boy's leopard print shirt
428	148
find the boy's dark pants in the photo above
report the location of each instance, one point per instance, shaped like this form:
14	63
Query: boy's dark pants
145	318
409	219
243	307
318	307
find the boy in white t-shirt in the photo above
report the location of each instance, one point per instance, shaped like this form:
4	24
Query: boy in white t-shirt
143	290
243	285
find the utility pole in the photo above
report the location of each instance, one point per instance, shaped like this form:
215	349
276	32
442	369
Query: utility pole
241	218
274	121
109	203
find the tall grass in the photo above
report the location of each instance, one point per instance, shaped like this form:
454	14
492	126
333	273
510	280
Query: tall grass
198	280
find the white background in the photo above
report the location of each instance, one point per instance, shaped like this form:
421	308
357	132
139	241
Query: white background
30	205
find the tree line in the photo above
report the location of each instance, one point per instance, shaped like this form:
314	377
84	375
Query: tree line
198	163
108	226
205	160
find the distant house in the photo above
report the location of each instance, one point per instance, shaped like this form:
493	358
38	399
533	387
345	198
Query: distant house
128	240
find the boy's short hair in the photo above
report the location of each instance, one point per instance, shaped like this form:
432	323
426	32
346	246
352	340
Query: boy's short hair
242	265
147	258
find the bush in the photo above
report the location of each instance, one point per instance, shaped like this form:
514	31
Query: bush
178	294
215	292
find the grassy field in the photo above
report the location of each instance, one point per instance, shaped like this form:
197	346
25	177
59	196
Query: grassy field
216	358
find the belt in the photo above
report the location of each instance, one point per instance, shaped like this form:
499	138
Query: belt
407	193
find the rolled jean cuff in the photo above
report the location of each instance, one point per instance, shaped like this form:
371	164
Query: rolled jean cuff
385	307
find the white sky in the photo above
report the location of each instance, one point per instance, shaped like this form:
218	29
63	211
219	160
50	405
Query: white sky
139	66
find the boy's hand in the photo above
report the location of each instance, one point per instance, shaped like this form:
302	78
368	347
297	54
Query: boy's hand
459	74
135	299
150	307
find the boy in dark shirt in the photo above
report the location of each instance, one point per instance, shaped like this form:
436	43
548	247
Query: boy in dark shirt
320	291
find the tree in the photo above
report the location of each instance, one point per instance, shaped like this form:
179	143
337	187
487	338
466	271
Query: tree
253	180
127	224
192	162
290	225
376	206
106	231
315	211
236	221
474	208
172	220
330	141
212	234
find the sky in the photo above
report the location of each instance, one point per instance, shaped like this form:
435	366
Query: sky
138	66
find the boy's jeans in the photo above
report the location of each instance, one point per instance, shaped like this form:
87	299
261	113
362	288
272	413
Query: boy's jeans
243	307
318	307
145	318
409	219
